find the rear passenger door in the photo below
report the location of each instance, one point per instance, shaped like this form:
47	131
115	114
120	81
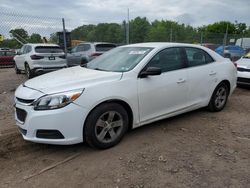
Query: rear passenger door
201	76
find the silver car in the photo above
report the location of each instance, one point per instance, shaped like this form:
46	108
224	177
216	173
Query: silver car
87	51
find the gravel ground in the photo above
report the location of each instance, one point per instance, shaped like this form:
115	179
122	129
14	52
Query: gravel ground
197	149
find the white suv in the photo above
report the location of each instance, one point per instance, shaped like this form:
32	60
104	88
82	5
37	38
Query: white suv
36	59
125	88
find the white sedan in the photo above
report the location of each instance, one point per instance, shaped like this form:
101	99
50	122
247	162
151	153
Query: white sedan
125	88
243	67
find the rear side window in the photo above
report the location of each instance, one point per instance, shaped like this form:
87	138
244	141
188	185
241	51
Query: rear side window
197	57
48	49
168	60
104	47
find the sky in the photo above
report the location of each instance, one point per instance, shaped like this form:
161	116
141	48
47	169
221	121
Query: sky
79	12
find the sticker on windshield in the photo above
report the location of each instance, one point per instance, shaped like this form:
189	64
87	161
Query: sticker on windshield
138	52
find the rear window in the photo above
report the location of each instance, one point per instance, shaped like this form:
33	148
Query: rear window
104	47
48	49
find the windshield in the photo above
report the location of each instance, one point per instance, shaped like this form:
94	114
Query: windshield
121	59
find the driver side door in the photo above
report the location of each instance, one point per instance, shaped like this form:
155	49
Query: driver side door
164	94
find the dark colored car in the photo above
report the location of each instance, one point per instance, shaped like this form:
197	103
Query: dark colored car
6	58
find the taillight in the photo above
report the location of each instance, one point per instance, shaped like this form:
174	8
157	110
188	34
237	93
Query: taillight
63	56
95	54
36	57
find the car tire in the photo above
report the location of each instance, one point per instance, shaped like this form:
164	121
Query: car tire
106	125
18	71
219	98
28	71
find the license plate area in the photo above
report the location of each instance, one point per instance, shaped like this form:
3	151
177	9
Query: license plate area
52	58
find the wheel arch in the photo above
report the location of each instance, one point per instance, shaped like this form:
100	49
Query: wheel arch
227	84
124	104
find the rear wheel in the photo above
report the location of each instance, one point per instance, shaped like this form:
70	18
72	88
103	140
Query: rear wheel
219	98
18	71
106	126
28	71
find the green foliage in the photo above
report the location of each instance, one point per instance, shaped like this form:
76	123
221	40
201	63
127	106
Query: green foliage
35	38
20	33
141	30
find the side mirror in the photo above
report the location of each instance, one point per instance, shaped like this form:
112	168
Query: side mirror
150	71
84	62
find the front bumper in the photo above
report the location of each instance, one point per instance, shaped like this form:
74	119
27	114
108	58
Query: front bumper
68	121
243	78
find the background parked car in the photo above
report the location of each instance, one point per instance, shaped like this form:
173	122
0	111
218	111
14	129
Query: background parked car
211	45
88	51
243	67
7	58
36	59
231	51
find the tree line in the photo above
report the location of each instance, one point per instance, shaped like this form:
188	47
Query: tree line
142	30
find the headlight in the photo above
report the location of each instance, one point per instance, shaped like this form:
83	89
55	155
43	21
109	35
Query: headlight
58	100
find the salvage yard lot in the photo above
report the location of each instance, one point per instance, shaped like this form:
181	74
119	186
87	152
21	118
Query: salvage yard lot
197	149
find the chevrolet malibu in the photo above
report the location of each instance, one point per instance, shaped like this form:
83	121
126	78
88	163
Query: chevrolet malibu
125	88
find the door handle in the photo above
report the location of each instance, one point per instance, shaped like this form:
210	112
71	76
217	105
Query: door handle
181	80
212	73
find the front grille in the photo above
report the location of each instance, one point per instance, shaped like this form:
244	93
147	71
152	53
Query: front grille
243	69
21	114
25	101
49	134
23	131
243	80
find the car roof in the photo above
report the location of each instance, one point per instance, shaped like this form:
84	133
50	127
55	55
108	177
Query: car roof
162	45
95	43
41	44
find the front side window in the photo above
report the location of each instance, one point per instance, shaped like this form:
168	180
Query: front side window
119	59
22	51
197	57
168	60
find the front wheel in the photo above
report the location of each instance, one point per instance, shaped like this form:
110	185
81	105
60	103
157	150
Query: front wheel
18	71
219	98
106	125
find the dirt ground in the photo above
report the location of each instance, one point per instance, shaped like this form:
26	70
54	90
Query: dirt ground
197	149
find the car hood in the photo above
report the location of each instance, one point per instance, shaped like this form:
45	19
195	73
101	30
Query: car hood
70	79
244	63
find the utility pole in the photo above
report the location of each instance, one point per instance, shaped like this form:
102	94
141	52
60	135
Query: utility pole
171	34
127	34
64	36
201	40
225	39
